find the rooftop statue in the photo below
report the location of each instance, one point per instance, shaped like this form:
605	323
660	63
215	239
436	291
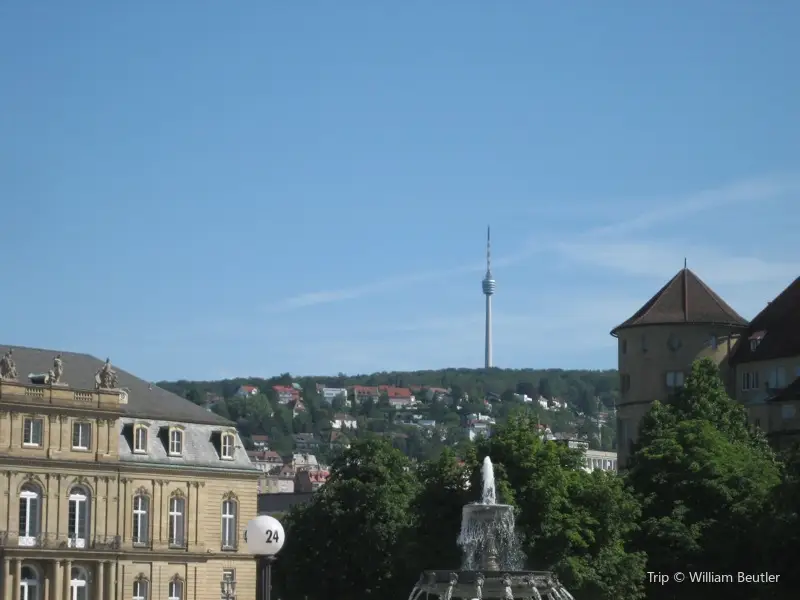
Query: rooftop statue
106	377
57	371
8	368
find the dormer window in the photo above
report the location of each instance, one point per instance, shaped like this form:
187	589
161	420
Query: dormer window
175	442
754	345
227	445
140	439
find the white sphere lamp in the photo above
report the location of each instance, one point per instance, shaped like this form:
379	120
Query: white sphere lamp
264	536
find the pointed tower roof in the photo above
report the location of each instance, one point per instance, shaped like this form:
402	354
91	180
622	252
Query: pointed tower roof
684	299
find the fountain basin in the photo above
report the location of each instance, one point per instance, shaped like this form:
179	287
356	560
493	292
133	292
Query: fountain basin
494	584
485	512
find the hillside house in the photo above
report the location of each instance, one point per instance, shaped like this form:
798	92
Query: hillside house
286	394
329	394
310	481
305	442
246	390
343	421
266	461
260	441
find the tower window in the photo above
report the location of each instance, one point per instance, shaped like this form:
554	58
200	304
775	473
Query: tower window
750	380
674	379
623	344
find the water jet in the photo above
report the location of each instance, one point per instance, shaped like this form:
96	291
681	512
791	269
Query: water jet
492	563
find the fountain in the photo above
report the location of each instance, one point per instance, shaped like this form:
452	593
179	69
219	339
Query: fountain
492	557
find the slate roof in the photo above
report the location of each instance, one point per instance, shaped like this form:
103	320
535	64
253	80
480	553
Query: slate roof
776	329
684	299
145	400
198	447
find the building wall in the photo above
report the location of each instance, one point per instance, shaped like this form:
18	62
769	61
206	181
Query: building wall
646	355
108	557
779	419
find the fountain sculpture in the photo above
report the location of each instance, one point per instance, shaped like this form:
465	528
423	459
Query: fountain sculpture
492	557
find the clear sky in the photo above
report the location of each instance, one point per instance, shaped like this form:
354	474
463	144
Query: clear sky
208	189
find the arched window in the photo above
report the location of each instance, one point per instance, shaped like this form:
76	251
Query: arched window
79	584
141	588
79	512
229	514
29	584
30	511
140	439
141	519
175	589
177	521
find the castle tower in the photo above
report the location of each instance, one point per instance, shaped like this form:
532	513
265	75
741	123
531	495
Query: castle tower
488	290
684	321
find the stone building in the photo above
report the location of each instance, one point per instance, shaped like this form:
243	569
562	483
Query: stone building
114	489
759	361
767	364
684	321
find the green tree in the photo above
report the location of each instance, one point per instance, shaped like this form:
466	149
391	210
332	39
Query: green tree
545	389
348	542
704	480
573	522
780	531
339	403
437	510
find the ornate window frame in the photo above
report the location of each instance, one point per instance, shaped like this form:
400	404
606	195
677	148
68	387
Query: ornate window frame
143	427
180	435
230	438
33	419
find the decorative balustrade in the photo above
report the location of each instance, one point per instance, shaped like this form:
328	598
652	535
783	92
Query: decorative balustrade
52	541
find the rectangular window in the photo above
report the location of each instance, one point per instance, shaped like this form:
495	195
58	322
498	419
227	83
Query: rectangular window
175	442
644	343
32	431
141	520
624	346
675	379
229	524
714	342
81	436
228	584
227	445
750	380
788	411
177	522
140	439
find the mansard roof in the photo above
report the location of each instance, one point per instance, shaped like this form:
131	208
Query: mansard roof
684	299
145	400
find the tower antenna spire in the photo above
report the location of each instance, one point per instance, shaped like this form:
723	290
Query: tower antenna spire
488	285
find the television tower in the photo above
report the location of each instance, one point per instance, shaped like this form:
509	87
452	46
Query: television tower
488	289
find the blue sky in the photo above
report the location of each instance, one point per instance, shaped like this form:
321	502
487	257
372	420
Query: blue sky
209	189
